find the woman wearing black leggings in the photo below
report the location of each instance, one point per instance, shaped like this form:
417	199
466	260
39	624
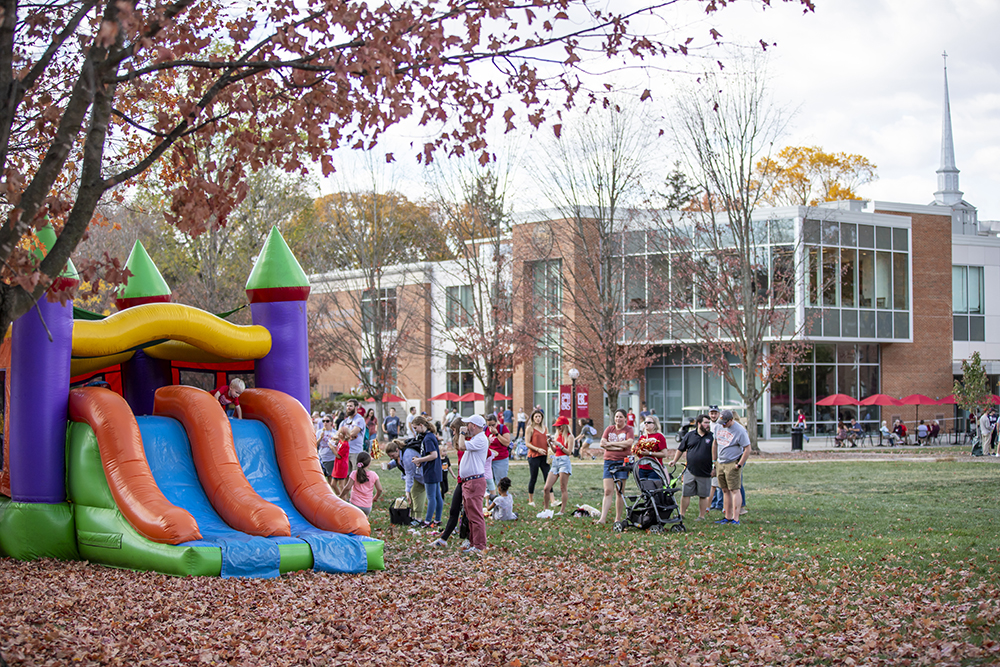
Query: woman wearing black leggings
455	510
453	513
538	450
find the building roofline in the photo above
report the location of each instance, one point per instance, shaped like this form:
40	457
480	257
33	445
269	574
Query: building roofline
901	207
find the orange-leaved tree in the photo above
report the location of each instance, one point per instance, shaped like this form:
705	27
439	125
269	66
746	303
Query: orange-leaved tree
807	175
96	92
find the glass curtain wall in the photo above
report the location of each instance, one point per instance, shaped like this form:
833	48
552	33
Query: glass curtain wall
680	386
826	369
648	279
857	280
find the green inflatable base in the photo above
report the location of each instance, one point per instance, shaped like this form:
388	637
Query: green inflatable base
105	536
37	530
376	554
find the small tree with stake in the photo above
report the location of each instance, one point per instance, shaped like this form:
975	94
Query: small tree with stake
972	394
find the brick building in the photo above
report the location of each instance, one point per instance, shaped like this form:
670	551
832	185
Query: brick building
893	297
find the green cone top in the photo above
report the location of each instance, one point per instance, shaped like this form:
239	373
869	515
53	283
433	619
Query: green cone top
277	275
145	281
47	237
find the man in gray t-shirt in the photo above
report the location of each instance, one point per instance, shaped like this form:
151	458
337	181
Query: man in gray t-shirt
353	430
730	451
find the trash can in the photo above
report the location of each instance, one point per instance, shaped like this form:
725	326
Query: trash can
797	439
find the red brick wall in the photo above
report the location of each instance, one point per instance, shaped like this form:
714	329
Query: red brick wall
557	239
924	366
414	372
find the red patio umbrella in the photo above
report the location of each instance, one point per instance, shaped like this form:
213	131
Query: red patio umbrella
500	397
880	399
446	396
950	400
837	399
386	398
471	396
918	400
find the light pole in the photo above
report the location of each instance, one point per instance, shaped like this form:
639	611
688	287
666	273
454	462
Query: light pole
573	375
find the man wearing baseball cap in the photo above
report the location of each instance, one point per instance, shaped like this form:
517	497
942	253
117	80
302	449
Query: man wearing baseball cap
713	416
730	452
472	476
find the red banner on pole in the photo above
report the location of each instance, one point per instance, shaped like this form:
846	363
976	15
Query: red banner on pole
565	401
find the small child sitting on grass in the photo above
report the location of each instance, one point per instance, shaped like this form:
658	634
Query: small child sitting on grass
229	397
501	508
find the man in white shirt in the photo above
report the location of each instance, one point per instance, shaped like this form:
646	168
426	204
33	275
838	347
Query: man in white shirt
522	423
471	471
713	415
410	433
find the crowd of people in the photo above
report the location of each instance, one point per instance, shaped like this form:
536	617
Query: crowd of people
715	446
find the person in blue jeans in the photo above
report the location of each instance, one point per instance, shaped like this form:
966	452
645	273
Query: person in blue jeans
430	462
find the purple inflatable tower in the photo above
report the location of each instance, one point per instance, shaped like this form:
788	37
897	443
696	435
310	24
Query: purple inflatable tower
39	381
278	290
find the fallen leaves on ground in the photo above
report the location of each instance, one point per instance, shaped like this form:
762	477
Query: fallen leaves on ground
505	608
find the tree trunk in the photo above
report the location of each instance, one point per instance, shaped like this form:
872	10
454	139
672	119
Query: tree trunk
752	426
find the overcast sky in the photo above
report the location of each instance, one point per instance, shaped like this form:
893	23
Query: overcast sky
864	76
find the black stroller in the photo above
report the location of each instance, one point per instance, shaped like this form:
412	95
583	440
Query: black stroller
652	507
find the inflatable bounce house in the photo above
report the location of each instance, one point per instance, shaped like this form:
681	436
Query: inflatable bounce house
110	455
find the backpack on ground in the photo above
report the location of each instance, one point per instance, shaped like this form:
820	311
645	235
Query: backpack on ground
521	448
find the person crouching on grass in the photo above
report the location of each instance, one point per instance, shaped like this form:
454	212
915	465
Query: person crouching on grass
502	507
471	471
229	397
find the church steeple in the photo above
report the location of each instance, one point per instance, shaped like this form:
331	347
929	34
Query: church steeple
948	193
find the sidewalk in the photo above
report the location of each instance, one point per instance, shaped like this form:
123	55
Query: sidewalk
824	443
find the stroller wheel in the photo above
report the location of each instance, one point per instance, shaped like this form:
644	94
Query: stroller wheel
619	527
656	528
678	528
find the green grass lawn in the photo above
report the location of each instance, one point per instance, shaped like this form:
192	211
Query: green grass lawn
924	514
840	561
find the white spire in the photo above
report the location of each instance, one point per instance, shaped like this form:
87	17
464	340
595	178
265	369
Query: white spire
948	192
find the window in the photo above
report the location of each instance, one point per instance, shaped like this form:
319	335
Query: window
547	374
967	303
547	287
460	380
866	278
459	306
848	262
812	276
635	283
378	310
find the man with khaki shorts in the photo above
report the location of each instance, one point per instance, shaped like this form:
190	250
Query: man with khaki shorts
730	451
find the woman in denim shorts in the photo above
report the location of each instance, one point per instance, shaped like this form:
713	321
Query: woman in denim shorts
562	466
617	444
